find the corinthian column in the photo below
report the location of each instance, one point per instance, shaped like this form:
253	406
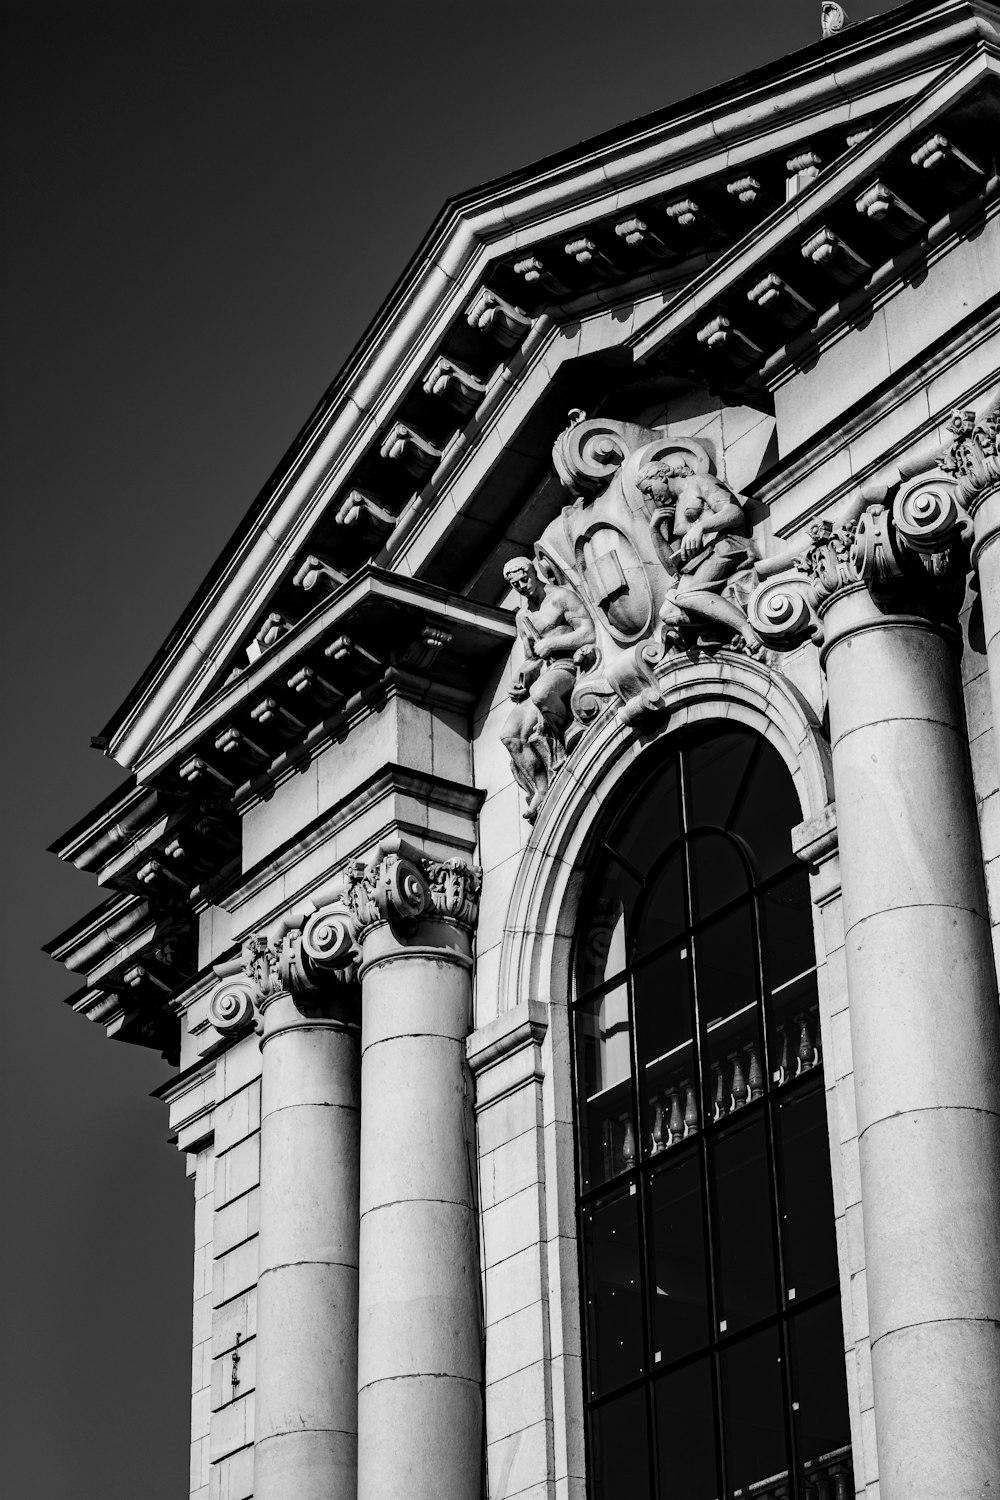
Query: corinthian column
419	1345
925	1027
305	1445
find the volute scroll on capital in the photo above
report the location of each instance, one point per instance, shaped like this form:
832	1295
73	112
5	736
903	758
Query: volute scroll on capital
300	956
401	887
912	555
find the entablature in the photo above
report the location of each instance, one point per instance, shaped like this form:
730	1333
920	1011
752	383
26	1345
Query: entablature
135	957
378	629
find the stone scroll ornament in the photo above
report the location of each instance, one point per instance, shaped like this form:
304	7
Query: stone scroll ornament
400	888
911	557
652	557
299	959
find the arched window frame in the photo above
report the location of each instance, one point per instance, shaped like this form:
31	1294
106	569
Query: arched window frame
521	1053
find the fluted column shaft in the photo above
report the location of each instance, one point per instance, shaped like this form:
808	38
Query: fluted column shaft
307	1293
925	1033
419	1353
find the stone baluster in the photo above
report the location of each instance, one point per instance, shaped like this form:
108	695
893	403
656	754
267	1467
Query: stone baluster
420	1362
740	1090
676	1117
690	1110
658	1141
298	985
925	1025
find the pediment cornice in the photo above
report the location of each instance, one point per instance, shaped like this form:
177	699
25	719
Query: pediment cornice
380	448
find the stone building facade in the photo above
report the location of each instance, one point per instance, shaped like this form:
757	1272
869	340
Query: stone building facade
561	847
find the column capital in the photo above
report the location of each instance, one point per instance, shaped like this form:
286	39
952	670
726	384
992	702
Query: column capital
972	461
401	887
972	456
299	955
905	564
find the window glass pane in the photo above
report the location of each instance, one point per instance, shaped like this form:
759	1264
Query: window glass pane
805	1194
718	874
685	1434
663	914
793	1029
744	1232
619	1449
715	772
614	1300
600	949
767	813
787	930
650	824
604	1084
753	1413
819	1388
726	980
678	1291
668	1080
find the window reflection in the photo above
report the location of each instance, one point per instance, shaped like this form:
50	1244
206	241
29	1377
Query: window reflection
664	1018
685	1427
678	1264
604	1067
744	1233
754	1413
619	1449
614	1298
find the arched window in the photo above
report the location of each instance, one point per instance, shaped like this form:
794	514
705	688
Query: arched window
713	1351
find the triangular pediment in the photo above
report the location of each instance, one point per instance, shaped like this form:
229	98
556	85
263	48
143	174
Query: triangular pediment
701	250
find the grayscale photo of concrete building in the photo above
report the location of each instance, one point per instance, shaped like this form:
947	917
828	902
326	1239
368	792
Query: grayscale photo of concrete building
560	848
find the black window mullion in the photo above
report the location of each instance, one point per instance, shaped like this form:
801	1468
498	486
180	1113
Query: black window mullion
706	1196
638	1186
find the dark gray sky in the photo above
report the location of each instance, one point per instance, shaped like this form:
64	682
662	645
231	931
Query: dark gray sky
205	204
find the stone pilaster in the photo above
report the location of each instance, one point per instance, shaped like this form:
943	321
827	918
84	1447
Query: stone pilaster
925	1027
420	1369
297	985
973	463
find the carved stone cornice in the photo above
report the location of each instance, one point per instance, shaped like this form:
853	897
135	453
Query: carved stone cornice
298	960
401	888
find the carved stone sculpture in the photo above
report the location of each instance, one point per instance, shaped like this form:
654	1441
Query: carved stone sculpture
703	540
555	631
653	555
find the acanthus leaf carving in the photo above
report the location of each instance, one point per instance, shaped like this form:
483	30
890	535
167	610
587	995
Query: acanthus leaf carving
299	958
401	888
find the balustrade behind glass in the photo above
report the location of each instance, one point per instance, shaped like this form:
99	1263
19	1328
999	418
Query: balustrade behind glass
714	1351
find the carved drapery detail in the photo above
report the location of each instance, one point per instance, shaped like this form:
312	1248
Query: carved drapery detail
400	888
299	960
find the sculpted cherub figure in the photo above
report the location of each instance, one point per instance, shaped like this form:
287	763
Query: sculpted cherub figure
702	539
553	625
